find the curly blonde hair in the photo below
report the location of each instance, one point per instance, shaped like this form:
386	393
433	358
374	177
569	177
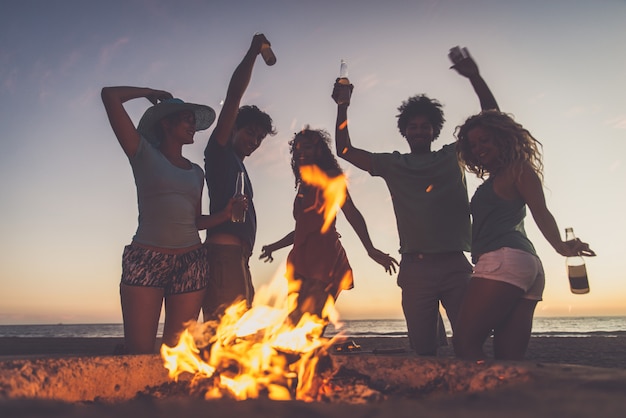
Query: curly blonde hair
516	144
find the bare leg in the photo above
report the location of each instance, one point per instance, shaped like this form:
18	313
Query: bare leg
511	337
178	310
141	308
486	305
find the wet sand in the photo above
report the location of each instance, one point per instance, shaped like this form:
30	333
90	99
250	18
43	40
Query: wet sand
609	352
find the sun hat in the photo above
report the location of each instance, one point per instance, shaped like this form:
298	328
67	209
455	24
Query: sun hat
147	125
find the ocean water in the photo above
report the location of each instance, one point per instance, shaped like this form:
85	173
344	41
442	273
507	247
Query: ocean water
603	326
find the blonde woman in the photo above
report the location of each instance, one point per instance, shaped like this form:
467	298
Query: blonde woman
508	277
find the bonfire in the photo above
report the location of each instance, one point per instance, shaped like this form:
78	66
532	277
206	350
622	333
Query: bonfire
260	352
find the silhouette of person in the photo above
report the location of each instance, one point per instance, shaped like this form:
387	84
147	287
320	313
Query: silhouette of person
165	260
508	278
429	196
238	133
317	261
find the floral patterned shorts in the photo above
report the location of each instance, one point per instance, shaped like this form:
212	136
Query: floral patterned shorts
174	273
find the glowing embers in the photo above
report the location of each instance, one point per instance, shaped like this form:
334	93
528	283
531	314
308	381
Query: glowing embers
254	352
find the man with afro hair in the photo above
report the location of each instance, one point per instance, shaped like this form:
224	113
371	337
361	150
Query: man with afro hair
429	197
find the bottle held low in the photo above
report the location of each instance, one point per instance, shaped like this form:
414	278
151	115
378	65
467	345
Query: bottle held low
239	205
576	269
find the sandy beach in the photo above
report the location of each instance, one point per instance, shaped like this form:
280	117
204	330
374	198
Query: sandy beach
609	352
570	377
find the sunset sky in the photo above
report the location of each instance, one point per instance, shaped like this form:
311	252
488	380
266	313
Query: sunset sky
68	200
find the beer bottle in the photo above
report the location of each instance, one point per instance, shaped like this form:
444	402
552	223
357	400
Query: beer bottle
268	54
344	92
576	269
239	205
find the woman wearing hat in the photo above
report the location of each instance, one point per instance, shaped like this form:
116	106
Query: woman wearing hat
166	259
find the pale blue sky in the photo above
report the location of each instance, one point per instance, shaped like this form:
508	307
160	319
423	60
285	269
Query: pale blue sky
68	199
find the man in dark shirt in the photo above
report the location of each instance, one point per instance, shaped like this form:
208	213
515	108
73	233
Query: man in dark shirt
237	134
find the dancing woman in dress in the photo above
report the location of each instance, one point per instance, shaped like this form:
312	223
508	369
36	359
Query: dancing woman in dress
318	262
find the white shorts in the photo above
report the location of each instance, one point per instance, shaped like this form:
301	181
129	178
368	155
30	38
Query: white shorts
513	266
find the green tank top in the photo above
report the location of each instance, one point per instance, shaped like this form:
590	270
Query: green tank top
497	223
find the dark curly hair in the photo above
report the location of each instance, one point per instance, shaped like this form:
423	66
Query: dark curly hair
516	144
325	158
417	106
250	115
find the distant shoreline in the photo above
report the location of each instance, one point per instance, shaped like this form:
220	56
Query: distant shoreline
600	326
586	317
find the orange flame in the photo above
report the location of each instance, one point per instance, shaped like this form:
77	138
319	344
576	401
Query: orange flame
334	191
255	352
259	351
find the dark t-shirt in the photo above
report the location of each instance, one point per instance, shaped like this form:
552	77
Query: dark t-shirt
429	196
221	166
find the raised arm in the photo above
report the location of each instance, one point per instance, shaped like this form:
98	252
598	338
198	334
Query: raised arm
236	88
356	220
267	250
123	127
530	188
467	68
358	157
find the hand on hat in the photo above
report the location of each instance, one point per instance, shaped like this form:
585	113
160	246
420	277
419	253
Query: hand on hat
158	95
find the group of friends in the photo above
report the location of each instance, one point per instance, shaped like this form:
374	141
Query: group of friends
167	261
